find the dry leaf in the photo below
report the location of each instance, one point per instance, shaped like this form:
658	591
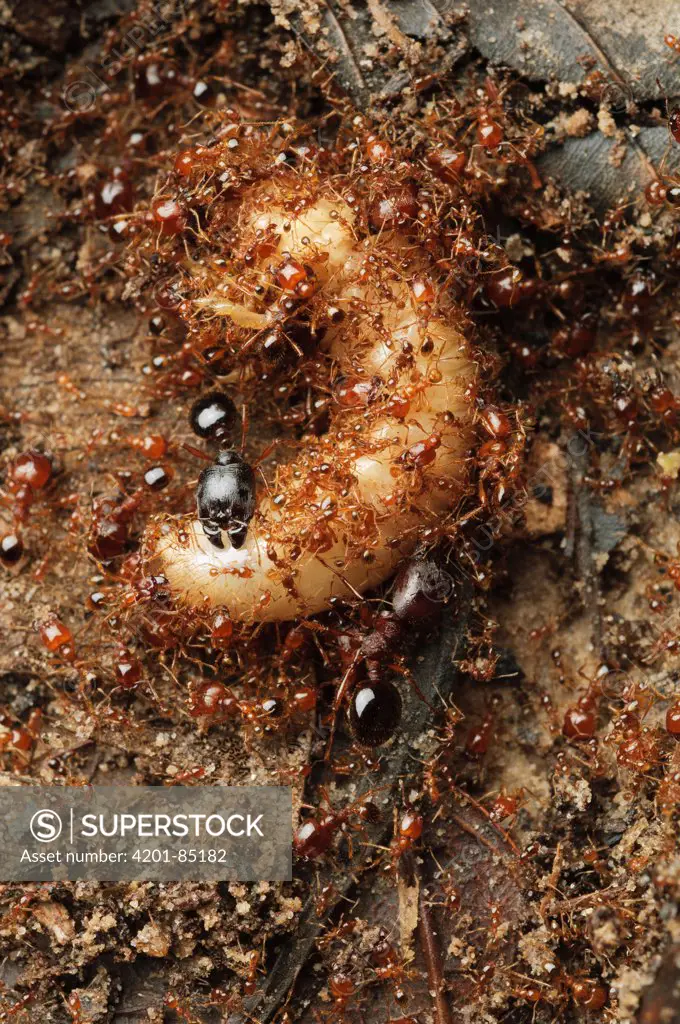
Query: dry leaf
551	39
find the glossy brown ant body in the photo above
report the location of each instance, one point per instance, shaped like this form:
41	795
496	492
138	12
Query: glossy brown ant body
29	478
407	834
315	836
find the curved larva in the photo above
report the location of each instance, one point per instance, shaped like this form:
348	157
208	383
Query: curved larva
370	507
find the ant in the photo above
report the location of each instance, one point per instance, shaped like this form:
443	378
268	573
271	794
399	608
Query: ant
342	988
215	701
225	496
672	42
407	834
250	983
314	836
389	966
501	456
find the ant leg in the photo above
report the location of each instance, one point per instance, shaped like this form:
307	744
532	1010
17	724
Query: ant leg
340	694
196	452
405	671
244	425
269	449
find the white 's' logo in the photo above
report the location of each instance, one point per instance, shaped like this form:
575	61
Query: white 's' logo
45	826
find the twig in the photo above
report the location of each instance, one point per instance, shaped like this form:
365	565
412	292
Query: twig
433	963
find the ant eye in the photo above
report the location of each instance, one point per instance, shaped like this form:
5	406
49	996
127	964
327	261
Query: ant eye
214	416
375	713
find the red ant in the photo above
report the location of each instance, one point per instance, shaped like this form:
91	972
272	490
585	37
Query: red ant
505	806
672	42
345	927
407	834
390	967
29	474
20	739
215	701
250	985
342	988
501	457
315	836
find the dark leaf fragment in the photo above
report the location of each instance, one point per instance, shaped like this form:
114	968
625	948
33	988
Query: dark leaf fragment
551	39
609	172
